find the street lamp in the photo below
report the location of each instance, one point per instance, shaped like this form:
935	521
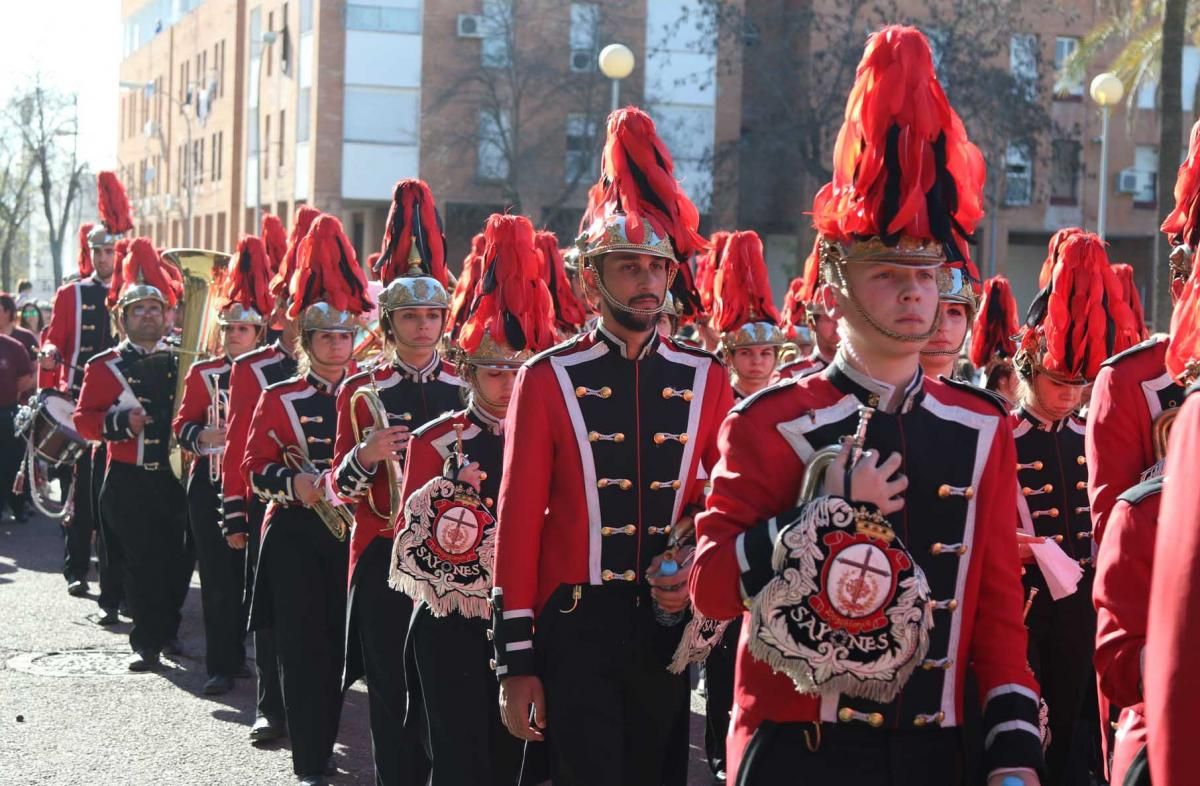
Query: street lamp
616	63
266	39
1106	90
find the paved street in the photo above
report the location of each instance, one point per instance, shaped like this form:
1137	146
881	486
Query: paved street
71	713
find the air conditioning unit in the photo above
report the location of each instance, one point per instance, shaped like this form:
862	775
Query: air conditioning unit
1129	181
470	26
582	61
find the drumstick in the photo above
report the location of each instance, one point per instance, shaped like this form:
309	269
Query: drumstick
1033	593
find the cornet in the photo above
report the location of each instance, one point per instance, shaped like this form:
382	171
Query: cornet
337	518
814	472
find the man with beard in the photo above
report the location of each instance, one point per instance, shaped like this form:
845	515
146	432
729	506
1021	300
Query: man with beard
606	438
126	400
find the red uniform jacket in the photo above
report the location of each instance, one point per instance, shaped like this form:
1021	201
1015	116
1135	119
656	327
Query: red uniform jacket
251	374
412	397
1173	639
1121	591
1132	389
602	455
116	382
193	414
959	524
79	328
812	364
300	411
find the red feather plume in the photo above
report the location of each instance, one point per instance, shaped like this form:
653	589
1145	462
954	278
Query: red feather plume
683	289
1182	225
510	302
707	264
1183	351
327	270
115	212
248	281
902	163
568	311
1056	241
301	223
995	329
1133	298
1082	313
413	218
742	290
464	288
85	251
275	240
141	264
637	178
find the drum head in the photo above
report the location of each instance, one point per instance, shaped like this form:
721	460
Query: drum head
60	409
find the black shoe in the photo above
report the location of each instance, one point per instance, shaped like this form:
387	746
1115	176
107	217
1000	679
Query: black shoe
145	661
265	730
311	780
123	610
108	617
217	685
173	647
77	588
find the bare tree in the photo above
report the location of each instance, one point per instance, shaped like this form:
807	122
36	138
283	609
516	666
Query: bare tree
16	176
521	88
45	119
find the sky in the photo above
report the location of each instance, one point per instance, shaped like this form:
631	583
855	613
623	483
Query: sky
76	47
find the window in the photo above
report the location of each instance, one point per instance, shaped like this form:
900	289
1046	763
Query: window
1064	172
220	160
212	165
384	19
270	29
581	149
380	115
306	16
1022	57
303	102
1064	47
282	125
1018	175
219	58
492	149
496	26
585	18
1145	162
265	150
198	151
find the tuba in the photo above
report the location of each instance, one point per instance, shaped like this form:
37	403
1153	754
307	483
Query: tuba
369	395
337	518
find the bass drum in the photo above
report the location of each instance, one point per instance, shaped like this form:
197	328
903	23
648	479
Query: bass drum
52	446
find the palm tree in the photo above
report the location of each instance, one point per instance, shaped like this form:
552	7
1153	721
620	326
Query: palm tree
1152	34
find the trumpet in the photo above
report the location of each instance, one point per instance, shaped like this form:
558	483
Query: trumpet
218	407
337	519
369	395
814	472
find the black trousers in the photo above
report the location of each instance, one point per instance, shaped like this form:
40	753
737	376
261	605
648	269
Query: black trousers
269	690
221	575
147	513
379	617
108	545
304	568
779	754
78	529
614	708
12	450
1062	640
718	684
455	699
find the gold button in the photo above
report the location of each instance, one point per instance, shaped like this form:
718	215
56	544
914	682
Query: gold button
1058	538
953	604
581	391
618	437
660	438
845	714
488	501
593	436
1081	485
605	391
1081	460
482	476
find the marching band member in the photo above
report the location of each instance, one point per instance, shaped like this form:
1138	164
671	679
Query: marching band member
300	585
411	387
993	341
745	316
242	515
822	327
200	429
958	304
126	400
1059	351
605	437
922	567
442	557
1134	389
80	327
1167	674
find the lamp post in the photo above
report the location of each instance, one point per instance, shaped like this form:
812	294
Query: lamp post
1106	90
616	63
266	39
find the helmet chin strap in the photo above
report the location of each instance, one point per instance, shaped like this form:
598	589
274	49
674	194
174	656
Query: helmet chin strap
918	338
617	305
